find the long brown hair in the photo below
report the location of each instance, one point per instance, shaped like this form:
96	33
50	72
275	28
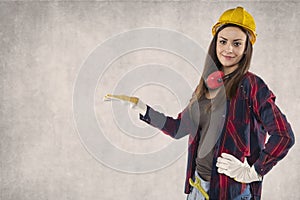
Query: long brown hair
212	64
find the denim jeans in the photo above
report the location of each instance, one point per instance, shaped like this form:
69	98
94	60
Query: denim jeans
246	195
195	194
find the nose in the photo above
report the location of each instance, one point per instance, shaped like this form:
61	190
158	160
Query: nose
229	48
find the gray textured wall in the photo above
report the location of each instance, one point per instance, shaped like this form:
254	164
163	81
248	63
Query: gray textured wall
43	48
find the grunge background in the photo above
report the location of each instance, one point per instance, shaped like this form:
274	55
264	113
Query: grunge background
43	46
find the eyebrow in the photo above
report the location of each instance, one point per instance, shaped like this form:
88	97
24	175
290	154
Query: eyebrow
233	40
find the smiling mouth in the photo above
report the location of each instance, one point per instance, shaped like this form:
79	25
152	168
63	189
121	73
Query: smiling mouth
227	57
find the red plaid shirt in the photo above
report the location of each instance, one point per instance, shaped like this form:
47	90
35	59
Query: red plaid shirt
250	115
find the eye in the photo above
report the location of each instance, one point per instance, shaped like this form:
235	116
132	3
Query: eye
237	44
223	42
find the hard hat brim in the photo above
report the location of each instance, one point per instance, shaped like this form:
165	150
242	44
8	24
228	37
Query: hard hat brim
251	32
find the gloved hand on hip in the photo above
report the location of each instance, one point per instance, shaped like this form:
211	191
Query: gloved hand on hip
234	168
134	102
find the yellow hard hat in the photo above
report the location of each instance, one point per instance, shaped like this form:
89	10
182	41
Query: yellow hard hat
240	17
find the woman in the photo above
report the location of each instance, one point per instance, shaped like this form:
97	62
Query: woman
227	125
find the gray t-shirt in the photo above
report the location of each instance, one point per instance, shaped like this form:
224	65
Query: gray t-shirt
209	124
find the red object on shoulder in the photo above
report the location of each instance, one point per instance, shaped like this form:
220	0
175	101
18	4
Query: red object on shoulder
215	80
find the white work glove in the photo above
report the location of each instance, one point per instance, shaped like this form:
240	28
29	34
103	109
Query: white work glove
134	102
234	168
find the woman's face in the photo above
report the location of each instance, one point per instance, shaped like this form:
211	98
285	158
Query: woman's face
231	43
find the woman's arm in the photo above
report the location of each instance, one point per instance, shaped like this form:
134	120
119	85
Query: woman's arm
275	123
176	128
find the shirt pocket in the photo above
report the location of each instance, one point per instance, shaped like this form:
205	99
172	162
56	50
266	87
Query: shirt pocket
241	107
